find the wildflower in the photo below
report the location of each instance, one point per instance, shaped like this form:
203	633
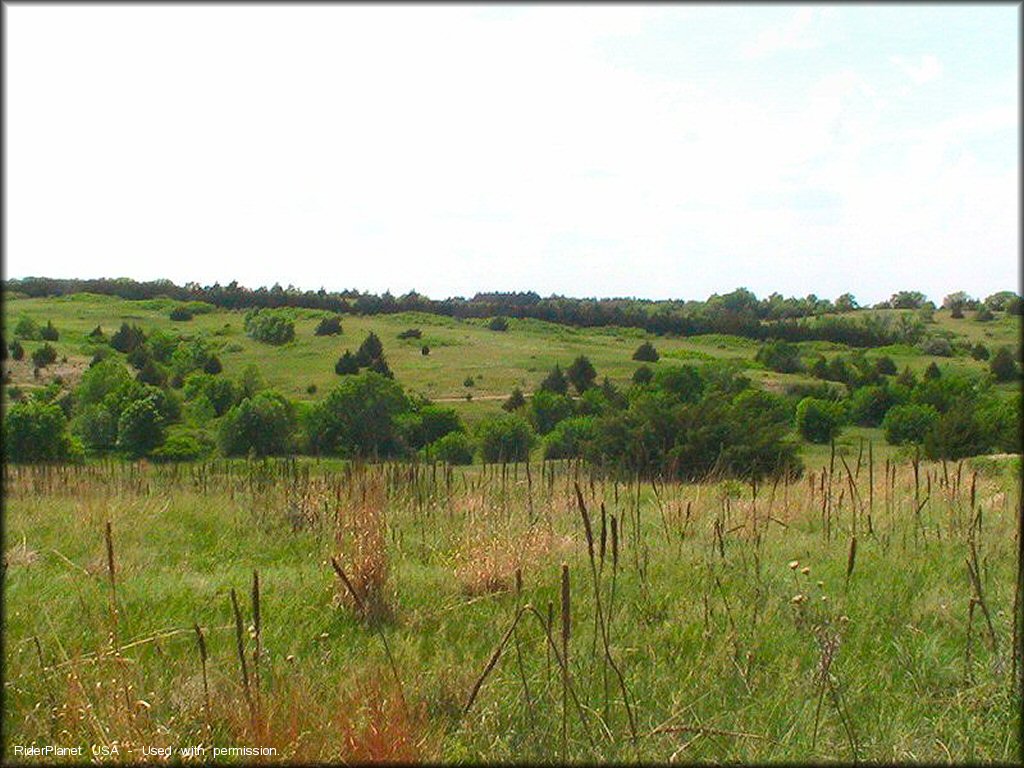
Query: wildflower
793	564
805	570
797	599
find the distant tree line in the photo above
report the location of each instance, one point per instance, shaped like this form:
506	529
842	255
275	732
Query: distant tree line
740	312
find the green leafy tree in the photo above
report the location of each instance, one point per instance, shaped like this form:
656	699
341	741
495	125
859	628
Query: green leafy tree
681	381
548	408
27	329
127	338
956	434
370	350
269	326
569	438
780	356
818	421
262	425
251	381
140	427
868	405
359	418
581	374
96	427
646	353
507	437
35	431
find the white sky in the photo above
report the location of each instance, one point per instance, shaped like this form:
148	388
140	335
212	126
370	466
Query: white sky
660	151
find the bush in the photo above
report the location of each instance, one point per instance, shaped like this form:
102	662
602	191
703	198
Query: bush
262	425
359	418
547	409
328	326
27	329
868	405
1002	365
932	372
498	324
955	435
569	438
885	366
371	349
453	448
937	346
380	366
555	382
269	327
818	421
1000	420
780	356
179	448
469	381
17	351
180	314
411	333
127	338
43	356
984	315
213	365
429	424
581	374
909	423
190	356
646	353
35	431
152	373
424	350
49	333
683	382
515	400
643	375
346	365
979	351
506	437
140	428
97	334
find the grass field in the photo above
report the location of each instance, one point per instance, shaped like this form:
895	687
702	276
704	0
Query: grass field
728	649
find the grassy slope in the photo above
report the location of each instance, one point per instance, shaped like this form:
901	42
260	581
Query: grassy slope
460	349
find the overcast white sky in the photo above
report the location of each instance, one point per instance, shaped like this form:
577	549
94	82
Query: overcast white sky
660	151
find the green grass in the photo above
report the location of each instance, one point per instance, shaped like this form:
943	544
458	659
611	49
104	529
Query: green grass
706	638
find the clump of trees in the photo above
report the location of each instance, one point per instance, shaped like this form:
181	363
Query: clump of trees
370	355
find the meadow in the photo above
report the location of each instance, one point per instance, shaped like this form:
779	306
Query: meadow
345	612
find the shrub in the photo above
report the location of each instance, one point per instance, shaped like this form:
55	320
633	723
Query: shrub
506	437
453	448
429	424
369	350
17	351
35	431
581	374
469	382
328	326
956	434
498	324
140	428
179	448
127	338
818	421
868	405
643	375
932	372
984	315
213	365
979	351
359	417
515	400
646	353
346	365
547	409
49	333
908	423
681	381
96	334
424	350
262	425
780	356
311	389
152	373
1002	365
269	327
410	333
555	382
43	356
190	356
27	329
885	366
101	380
380	365
180	314
938	347
569	437
1000	420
